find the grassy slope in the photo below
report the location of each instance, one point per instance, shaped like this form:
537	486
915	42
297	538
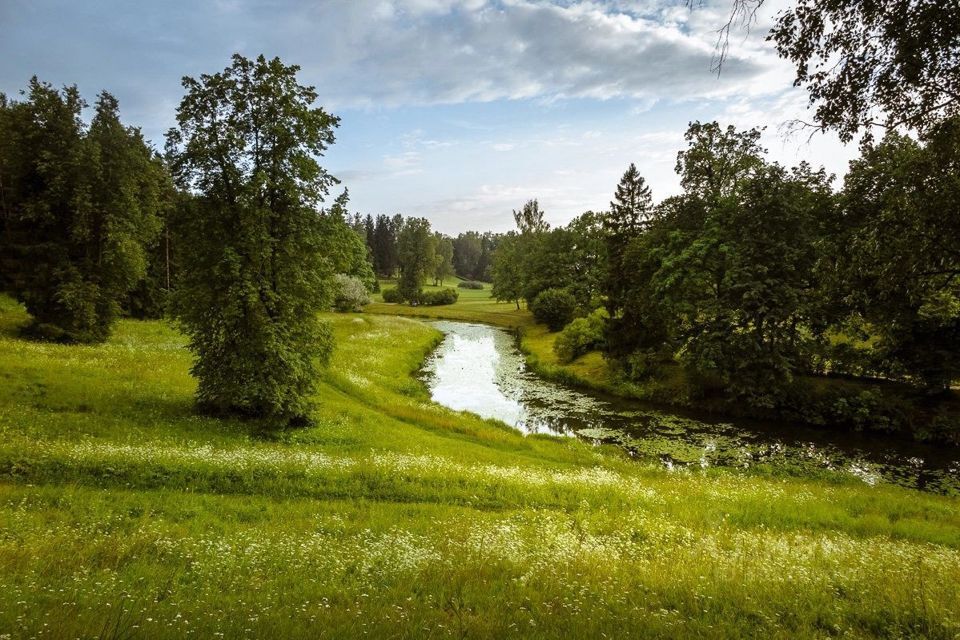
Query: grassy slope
122	514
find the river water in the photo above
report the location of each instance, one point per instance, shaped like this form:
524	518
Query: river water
478	368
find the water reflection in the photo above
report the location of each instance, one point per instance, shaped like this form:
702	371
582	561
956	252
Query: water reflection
478	368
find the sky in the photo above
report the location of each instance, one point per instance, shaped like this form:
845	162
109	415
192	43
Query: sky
458	111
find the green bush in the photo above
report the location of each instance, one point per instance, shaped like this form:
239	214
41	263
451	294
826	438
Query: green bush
436	298
349	293
470	284
554	308
581	335
392	295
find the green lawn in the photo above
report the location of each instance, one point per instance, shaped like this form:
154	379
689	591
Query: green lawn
125	515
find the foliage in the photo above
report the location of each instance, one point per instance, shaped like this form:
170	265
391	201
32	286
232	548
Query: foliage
255	269
350	294
507	269
732	287
893	63
554	307
470	284
416	253
442	258
629	213
79	204
899	252
391	295
581	335
343	247
437	298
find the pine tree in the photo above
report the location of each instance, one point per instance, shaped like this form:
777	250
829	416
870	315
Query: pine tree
629	212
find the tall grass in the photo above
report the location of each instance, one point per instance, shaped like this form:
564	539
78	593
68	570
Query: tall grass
123	514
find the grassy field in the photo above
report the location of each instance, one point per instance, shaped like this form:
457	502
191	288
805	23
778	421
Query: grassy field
125	515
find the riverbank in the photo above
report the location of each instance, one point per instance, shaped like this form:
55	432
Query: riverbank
125	514
833	403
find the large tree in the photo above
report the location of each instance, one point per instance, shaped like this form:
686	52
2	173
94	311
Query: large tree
629	212
900	252
886	63
442	258
415	250
254	271
78	206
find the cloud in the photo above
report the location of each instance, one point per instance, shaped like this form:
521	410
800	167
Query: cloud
419	52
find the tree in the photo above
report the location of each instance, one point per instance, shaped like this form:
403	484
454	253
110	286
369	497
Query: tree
343	247
530	219
254	271
385	246
629	211
79	206
900	258
886	63
443	258
415	249
717	159
507	269
467	249
350	294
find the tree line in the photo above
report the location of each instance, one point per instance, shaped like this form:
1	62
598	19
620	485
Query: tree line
755	275
468	255
758	275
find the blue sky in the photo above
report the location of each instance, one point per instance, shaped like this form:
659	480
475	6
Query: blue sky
455	110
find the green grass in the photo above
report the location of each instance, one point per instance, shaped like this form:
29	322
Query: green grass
123	514
473	305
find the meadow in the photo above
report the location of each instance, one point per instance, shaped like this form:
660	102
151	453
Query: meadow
124	514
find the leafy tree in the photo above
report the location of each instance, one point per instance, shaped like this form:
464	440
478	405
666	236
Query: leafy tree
442	258
554	307
886	63
254	268
530	219
900	258
716	159
79	205
150	296
581	335
350	294
417	258
507	269
467	249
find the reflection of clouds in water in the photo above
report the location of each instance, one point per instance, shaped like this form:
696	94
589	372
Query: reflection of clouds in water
478	368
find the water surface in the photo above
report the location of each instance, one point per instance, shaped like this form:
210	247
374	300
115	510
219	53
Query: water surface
478	368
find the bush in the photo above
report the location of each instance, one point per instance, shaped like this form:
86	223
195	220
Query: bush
581	336
349	294
392	295
554	308
470	284
436	298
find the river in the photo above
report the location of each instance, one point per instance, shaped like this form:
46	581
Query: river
478	368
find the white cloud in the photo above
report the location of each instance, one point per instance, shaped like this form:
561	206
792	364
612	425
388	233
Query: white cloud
372	53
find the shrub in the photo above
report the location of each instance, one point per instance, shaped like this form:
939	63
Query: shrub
581	336
470	284
349	293
554	307
435	298
392	295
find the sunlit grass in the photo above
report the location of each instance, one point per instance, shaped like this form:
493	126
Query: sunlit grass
124	514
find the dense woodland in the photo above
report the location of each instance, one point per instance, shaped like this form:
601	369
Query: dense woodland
754	278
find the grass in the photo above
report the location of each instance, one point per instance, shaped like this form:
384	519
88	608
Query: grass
125	515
